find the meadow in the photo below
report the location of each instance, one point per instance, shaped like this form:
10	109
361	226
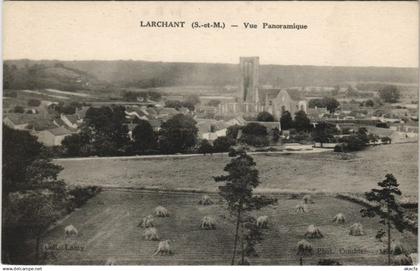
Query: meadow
319	172
108	230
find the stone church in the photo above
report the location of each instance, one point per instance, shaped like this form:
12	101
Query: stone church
252	99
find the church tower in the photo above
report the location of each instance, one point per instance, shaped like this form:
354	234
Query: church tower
248	89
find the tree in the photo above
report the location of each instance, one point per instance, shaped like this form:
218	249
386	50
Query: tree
178	134
21	150
323	132
351	92
143	136
192	99
386	207
72	145
331	104
389	94
237	191
276	135
302	122
223	143
104	130
316	103
286	121
355	142
205	147
27	173
30	216
327	102
174	104
254	134
265	117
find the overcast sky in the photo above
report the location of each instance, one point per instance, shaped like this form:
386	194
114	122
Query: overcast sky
338	34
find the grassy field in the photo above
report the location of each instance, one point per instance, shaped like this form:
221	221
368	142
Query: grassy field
107	227
322	172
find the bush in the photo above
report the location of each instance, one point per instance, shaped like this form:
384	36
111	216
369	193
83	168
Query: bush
382	125
223	144
386	140
265	116
80	195
205	147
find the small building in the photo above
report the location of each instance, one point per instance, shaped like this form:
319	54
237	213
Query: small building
53	137
17	121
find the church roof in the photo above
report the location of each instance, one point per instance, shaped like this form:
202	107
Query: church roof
272	93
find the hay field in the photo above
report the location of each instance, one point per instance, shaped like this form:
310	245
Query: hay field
107	227
321	172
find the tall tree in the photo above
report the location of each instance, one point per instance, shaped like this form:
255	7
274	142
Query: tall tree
143	136
27	209
389	94
20	149
105	130
178	134
385	205
331	104
302	122
205	147
237	191
255	134
286	121
323	132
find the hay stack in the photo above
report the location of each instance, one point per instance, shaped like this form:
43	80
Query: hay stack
307	199
262	222
208	223
161	211
146	222
163	248
339	219
397	249
304	248
110	261
151	234
301	208
205	200
356	229
402	260
313	232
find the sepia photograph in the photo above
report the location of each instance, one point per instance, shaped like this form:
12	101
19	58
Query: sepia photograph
207	133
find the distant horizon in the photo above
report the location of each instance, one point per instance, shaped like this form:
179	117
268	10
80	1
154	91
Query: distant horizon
202	62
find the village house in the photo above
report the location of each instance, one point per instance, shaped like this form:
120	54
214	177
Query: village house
53	137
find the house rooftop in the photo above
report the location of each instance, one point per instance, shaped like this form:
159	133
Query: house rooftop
59	131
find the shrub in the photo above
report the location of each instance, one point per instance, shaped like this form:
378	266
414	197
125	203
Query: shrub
223	144
80	195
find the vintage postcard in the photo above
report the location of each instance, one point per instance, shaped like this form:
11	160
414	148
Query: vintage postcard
209	133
